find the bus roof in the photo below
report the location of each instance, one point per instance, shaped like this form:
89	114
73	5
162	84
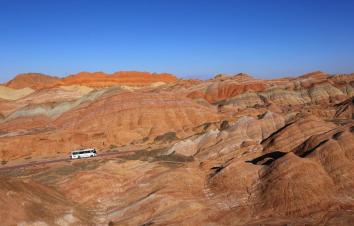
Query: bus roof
88	149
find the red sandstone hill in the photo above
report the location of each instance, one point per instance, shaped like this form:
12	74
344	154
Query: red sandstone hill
315	74
232	150
33	80
91	79
131	78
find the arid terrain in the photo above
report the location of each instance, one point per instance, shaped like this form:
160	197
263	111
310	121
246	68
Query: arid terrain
231	150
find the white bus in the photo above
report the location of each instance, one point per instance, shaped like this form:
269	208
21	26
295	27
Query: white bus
85	153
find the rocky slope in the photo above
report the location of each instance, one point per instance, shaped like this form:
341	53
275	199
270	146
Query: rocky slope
232	150
96	79
7	93
25	202
33	80
130	78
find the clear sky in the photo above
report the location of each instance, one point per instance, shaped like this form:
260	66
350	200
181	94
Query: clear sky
187	38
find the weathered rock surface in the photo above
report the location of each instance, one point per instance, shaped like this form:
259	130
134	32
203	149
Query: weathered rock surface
34	81
218	90
130	78
334	151
31	203
245	131
294	133
232	150
7	93
116	117
95	79
345	109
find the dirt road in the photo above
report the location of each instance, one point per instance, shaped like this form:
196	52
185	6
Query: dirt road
99	155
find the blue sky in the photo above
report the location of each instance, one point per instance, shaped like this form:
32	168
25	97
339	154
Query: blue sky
188	38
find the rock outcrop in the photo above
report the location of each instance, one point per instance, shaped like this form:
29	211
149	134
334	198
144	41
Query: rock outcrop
95	79
345	109
7	93
245	131
33	81
294	133
129	78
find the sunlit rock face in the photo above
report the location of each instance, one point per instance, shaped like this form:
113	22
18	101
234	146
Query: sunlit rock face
33	81
295	133
345	109
129	78
231	150
95	79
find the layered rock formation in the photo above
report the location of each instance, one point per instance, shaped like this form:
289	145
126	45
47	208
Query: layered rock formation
96	79
34	81
7	93
101	118
220	89
245	131
231	150
30	203
130	78
345	109
294	133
